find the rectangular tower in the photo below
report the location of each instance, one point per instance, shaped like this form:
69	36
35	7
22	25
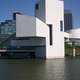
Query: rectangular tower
51	12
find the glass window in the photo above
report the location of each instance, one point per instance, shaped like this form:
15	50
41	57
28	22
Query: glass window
50	34
61	25
37	6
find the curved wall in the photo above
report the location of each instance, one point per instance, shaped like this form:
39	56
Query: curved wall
74	33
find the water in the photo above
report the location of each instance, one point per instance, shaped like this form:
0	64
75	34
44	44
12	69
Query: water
36	69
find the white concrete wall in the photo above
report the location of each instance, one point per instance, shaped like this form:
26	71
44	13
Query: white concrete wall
41	28
25	26
57	50
54	14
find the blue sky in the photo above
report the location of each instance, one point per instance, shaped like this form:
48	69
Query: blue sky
74	5
7	7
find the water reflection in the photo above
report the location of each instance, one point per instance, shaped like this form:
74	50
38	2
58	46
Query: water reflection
55	69
72	68
30	69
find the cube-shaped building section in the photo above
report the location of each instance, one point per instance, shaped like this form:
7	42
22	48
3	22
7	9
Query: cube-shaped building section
27	26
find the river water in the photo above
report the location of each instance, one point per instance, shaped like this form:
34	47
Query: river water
36	69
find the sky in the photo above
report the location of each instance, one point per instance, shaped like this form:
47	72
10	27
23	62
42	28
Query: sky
26	7
74	6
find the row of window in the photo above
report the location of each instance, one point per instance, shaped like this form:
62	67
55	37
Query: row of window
7	29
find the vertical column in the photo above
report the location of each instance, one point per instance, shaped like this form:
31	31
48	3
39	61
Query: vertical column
74	51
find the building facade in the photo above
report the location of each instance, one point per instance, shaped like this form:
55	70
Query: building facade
44	31
8	27
7	32
68	20
42	35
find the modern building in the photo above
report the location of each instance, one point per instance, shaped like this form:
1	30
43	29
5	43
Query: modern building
43	35
68	20
44	32
8	27
7	31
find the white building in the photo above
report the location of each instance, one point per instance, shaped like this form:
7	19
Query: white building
44	31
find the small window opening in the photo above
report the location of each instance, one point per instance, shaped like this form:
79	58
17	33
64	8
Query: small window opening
61	25
37	6
50	34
